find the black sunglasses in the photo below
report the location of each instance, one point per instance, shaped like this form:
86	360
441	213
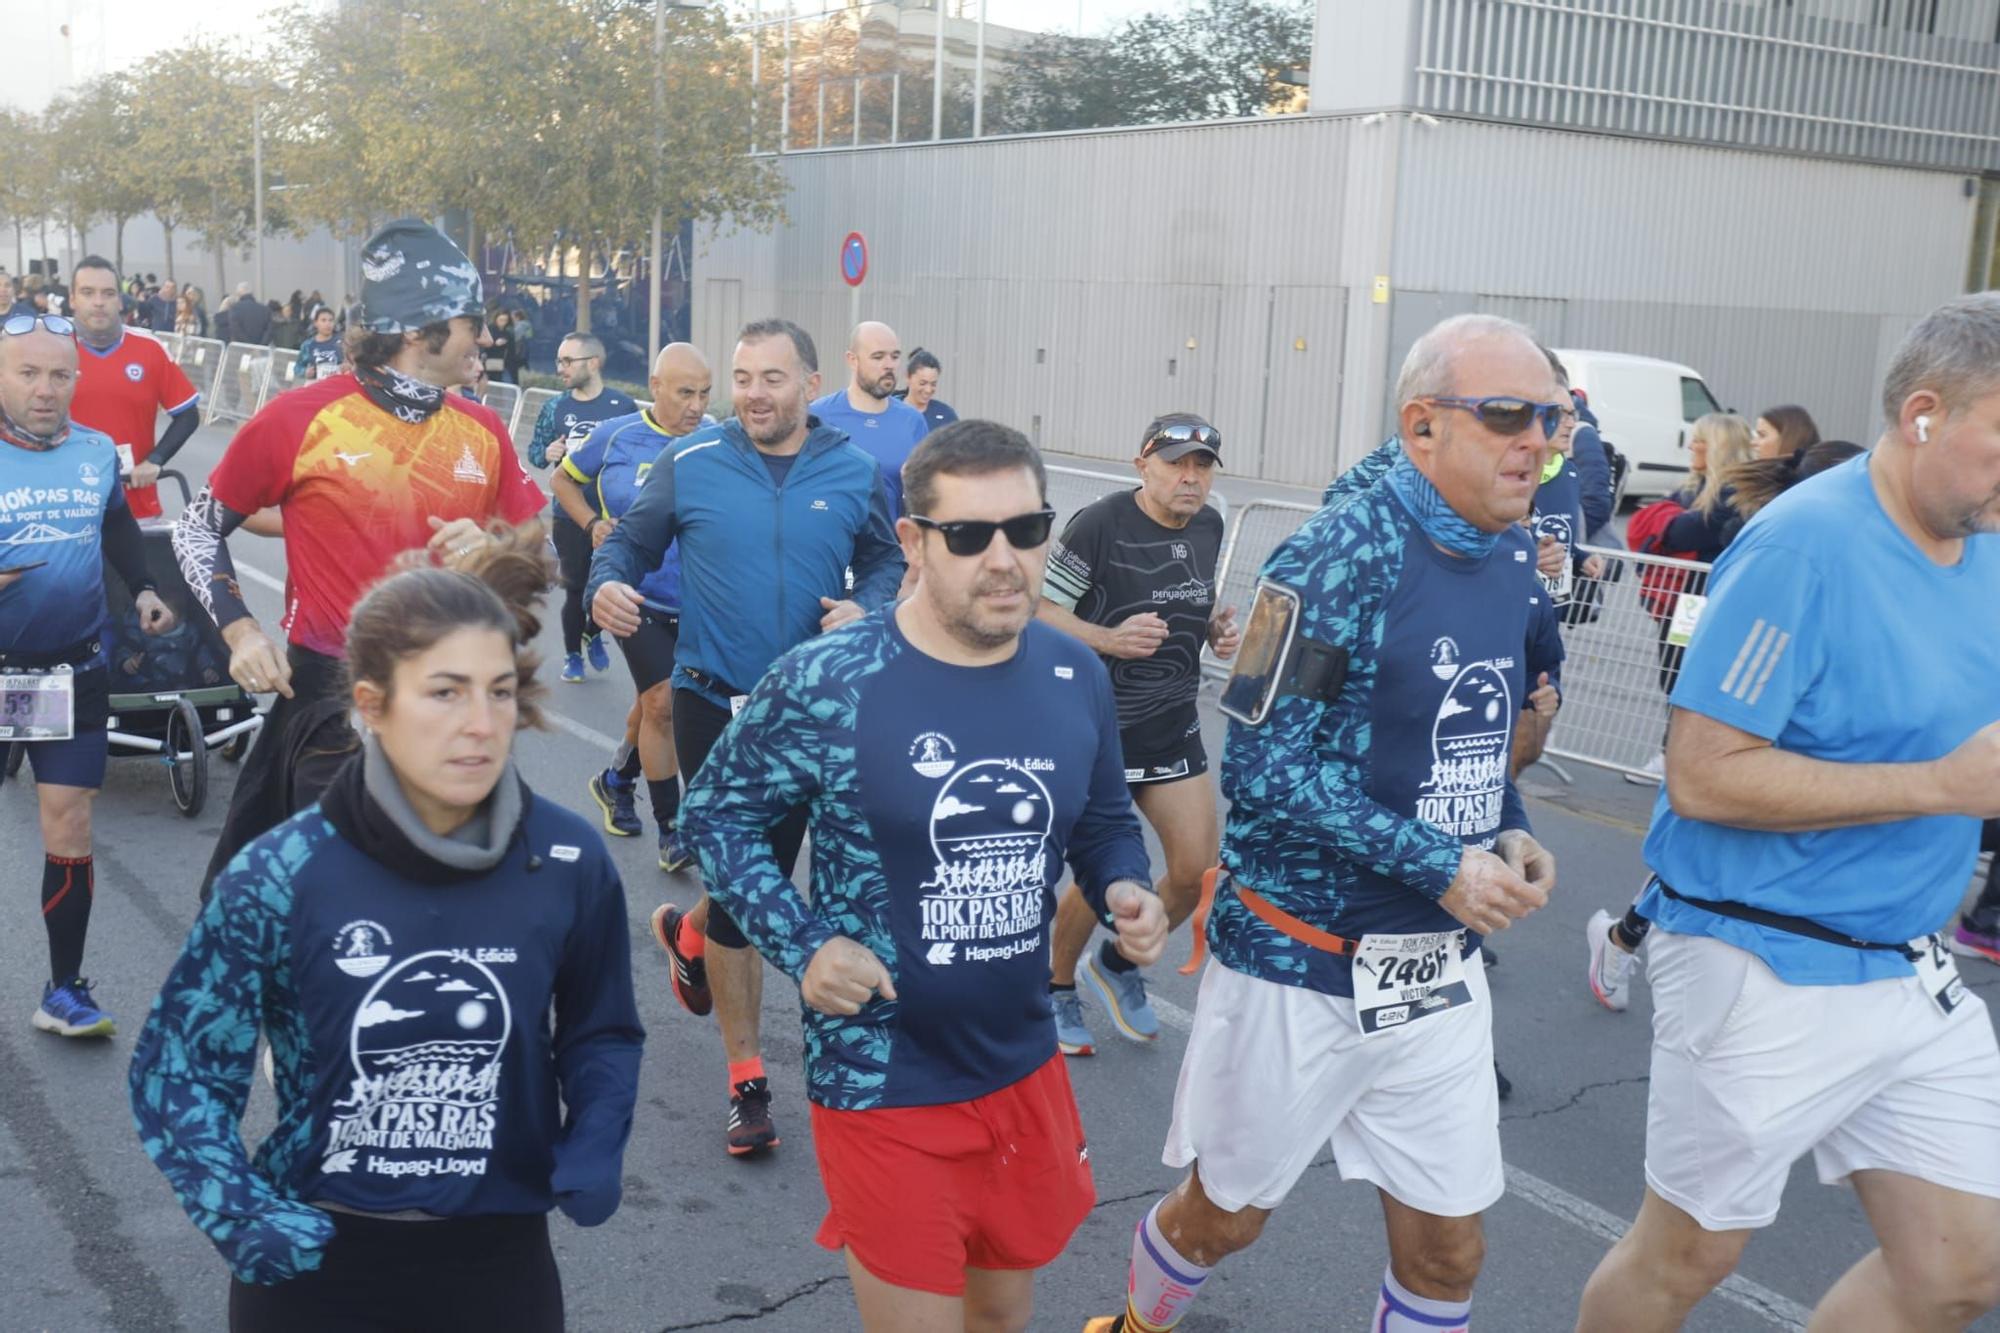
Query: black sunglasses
20	324
1508	416
971	536
1184	432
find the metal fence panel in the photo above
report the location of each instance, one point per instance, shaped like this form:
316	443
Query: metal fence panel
505	399
1620	665
1261	526
200	359
285	372
241	381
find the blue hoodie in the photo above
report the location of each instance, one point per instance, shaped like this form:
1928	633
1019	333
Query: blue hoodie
757	554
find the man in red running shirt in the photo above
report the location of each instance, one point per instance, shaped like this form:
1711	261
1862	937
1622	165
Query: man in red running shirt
363	466
125	380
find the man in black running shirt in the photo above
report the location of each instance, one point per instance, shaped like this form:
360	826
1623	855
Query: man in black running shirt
1134	578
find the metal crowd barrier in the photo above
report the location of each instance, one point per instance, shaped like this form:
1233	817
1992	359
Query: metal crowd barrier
1620	664
505	400
241	382
200	359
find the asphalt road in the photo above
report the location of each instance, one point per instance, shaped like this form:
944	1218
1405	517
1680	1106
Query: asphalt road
91	1238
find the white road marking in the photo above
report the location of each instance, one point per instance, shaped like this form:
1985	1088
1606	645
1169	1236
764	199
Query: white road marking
256	575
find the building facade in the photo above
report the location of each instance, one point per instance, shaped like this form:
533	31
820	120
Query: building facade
1770	192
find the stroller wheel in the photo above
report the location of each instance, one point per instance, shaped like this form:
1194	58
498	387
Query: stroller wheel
187	758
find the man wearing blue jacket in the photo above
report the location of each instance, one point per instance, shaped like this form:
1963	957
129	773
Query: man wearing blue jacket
771	509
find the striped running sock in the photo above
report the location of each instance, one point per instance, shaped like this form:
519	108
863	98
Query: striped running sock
1163	1283
1401	1311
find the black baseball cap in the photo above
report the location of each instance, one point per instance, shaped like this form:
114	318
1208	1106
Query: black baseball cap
1177	434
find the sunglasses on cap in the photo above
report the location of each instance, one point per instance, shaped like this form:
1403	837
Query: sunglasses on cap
970	536
17	325
1183	432
1509	416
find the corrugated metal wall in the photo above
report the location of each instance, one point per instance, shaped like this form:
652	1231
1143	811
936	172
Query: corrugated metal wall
1912	82
1076	286
1775	276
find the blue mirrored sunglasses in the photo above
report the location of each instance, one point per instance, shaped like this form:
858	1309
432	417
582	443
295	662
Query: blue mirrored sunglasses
17	325
1507	415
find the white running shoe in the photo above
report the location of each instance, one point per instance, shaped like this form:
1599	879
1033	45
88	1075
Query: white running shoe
1652	774
1610	966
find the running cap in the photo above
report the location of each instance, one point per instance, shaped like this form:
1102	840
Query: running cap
1177	434
412	275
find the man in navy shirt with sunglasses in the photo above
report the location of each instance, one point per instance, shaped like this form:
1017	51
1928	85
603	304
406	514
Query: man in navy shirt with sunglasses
1374	835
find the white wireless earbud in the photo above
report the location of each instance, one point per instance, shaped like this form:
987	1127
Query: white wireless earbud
1923	430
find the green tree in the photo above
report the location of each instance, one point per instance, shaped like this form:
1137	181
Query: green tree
1212	60
534	116
27	175
194	109
93	139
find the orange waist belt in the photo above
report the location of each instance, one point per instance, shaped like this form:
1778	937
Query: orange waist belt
1278	919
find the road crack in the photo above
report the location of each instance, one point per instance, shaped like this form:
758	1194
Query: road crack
1576	1098
768	1308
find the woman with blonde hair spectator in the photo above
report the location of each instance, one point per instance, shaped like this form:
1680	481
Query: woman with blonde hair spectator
1718	444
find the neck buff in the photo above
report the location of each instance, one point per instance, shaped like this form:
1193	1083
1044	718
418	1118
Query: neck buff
1440	522
13	432
404	397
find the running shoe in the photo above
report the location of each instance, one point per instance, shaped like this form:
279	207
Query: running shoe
1072	1034
69	1011
1610	966
600	656
675	855
572	672
1105	1323
618	802
1124	998
690	975
1975	939
750	1127
1652	774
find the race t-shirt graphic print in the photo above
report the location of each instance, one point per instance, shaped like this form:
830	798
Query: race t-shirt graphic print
426	1045
990	828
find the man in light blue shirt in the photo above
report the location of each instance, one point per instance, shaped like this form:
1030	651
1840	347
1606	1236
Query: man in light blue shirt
886	428
1835	743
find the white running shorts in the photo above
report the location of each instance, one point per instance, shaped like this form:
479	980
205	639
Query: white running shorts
1274	1071
1749	1073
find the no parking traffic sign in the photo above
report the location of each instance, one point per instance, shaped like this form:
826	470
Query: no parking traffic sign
853	259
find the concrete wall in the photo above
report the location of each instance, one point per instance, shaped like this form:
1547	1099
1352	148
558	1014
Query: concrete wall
1078	285
317	260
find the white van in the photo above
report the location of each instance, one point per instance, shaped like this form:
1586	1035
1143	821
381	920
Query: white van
1644	407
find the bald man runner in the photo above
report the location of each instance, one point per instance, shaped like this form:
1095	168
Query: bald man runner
887	428
594	485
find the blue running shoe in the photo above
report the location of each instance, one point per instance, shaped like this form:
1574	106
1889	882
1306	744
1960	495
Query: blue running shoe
675	855
68	1011
617	800
1124	997
1072	1037
600	656
572	672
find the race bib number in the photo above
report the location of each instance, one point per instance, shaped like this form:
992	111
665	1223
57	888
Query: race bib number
1687	614
1403	979
1938	971
736	702
38	705
1561	585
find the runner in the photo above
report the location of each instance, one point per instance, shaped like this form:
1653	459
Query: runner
596	483
921	394
1819	824
320	355
883	425
438	959
951	752
1134	578
1366	768
570	416
65	515
125	381
771	510
378	460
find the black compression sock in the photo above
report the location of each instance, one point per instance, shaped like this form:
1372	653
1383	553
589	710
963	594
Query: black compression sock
68	886
1630	930
626	763
666	794
1111	960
